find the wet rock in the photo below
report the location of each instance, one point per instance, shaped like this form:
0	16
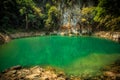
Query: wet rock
25	72
60	78
118	76
36	69
16	67
12	72
48	74
61	74
75	78
112	71
32	76
109	74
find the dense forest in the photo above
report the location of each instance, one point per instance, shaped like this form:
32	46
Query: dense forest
49	14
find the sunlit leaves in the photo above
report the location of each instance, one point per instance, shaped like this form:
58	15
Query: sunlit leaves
53	11
113	23
87	10
47	6
22	10
107	15
52	17
100	13
37	10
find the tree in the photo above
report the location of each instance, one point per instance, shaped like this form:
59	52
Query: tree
52	20
8	14
30	11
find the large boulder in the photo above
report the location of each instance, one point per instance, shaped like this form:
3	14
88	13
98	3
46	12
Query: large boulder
4	39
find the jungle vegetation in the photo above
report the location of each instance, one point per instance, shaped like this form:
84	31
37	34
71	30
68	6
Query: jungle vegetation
45	15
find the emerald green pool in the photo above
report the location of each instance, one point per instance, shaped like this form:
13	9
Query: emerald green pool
74	55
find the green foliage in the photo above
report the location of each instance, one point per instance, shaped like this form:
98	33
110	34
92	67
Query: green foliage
22	10
30	11
113	24
110	23
37	14
87	15
53	12
47	6
52	20
107	15
8	14
25	2
111	6
100	13
87	10
5	22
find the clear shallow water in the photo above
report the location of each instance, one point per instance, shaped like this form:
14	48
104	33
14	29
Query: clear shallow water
74	55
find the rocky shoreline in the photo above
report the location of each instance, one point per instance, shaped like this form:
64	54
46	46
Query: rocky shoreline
115	36
109	72
4	38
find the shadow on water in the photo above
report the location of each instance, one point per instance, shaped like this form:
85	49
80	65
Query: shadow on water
75	55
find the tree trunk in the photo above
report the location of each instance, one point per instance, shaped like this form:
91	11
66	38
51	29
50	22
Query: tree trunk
26	18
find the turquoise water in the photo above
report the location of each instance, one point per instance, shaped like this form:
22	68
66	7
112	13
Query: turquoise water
74	55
